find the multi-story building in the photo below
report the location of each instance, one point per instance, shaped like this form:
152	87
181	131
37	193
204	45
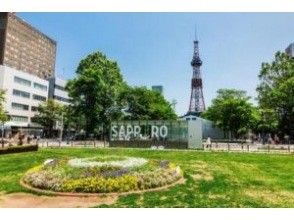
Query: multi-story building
290	50
158	88
57	90
24	92
27	69
25	48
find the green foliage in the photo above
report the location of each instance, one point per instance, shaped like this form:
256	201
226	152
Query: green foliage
264	120
3	116
276	91
144	104
100	95
48	114
231	111
72	119
95	90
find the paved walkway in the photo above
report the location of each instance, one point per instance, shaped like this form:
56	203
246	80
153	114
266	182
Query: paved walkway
25	200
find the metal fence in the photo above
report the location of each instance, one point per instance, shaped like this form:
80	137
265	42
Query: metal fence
214	146
55	143
248	147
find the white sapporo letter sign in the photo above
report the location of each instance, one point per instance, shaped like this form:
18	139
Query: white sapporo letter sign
125	132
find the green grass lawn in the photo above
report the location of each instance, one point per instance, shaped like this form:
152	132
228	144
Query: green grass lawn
217	179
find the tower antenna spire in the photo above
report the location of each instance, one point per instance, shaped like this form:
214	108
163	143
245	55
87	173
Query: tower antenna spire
196	36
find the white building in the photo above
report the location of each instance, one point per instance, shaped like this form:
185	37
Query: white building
57	90
24	93
208	128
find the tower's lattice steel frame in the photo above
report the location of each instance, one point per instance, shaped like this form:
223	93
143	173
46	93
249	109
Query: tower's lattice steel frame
197	105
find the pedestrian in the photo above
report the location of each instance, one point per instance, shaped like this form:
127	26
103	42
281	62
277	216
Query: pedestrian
276	139
208	142
286	137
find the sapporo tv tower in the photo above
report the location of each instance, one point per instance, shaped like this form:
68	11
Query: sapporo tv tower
197	105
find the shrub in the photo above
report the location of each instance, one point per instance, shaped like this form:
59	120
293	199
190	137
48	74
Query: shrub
45	179
157	178
101	185
19	149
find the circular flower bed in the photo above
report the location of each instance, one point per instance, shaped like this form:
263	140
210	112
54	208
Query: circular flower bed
102	174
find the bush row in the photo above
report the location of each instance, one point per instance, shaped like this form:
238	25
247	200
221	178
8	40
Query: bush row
18	149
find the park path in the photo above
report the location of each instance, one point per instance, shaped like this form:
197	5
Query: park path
25	200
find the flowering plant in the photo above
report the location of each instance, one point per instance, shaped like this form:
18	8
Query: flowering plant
129	162
104	174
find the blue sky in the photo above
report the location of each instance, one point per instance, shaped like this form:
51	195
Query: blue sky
156	48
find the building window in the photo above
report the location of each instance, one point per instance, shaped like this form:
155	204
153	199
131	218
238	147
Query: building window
22	81
59	87
39	98
61	99
18	106
19	118
21	93
34	108
39	86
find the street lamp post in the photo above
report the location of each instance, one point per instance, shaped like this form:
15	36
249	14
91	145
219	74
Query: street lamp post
61	129
2	136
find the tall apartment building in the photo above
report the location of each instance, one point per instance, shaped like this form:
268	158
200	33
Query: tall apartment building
25	48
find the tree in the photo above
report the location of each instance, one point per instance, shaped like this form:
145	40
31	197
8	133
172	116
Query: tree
95	89
276	91
48	114
264	121
144	104
231	111
3	115
73	120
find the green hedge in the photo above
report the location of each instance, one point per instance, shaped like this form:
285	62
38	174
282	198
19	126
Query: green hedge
18	149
